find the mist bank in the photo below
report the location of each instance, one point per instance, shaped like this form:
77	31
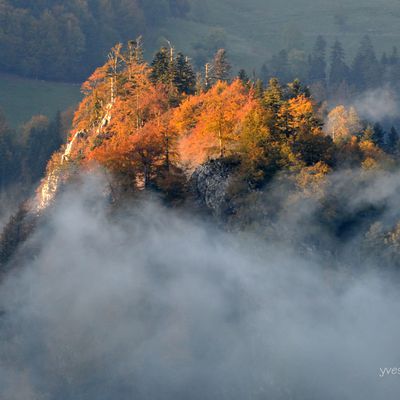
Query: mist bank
152	304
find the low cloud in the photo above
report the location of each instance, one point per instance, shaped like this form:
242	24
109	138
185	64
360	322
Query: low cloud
378	104
155	305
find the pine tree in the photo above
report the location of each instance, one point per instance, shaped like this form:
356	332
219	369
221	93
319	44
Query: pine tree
184	77
221	66
161	67
366	70
280	66
392	142
338	71
242	76
273	95
259	89
296	89
15	233
317	62
378	136
368	134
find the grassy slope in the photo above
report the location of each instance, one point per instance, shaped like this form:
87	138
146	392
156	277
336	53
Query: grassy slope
22	98
254	29
257	28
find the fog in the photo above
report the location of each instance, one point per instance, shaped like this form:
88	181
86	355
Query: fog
151	304
378	104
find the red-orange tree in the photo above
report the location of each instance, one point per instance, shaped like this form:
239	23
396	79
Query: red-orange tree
209	124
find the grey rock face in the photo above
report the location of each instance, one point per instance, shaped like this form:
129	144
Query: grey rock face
209	184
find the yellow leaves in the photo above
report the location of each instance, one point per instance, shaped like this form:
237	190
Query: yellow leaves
297	115
369	149
300	107
370	164
210	123
188	113
342	123
374	157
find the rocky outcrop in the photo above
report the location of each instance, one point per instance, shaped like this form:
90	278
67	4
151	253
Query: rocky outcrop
209	184
52	182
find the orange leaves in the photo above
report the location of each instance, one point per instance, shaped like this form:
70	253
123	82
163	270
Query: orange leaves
136	153
298	115
209	124
300	107
188	114
98	77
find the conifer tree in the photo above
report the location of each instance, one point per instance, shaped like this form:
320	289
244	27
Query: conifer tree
15	233
378	136
161	67
273	96
184	77
394	68
221	66
338	71
242	76
296	89
280	66
392	142
259	89
317	62
366	70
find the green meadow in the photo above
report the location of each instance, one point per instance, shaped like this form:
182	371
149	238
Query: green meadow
255	29
21	98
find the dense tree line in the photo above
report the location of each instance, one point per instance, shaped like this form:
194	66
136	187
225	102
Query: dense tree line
166	121
143	121
64	40
330	71
150	125
25	151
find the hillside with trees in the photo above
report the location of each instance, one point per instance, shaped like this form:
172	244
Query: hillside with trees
197	232
61	40
58	40
153	126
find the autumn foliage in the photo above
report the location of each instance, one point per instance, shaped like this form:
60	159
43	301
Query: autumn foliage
145	129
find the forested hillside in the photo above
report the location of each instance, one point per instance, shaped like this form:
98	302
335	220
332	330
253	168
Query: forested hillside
201	233
65	40
160	128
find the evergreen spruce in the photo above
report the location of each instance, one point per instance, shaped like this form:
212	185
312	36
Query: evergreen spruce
184	77
366	70
378	136
273	96
280	66
392	142
259	89
161	67
338	71
317	62
242	76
